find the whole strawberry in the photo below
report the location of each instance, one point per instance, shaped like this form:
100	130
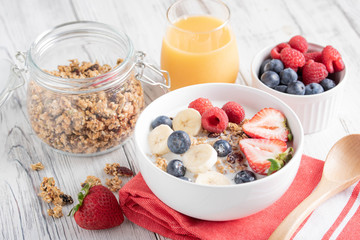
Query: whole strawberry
97	209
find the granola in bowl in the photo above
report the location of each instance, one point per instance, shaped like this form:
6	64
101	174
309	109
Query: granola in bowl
86	123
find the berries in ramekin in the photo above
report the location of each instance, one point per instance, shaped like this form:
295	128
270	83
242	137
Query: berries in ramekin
292	68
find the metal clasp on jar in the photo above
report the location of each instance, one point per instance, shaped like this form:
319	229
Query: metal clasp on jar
143	77
15	76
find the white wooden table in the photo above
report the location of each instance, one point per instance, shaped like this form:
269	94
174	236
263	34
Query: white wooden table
256	23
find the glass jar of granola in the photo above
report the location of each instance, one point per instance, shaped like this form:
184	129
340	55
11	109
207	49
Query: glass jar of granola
84	95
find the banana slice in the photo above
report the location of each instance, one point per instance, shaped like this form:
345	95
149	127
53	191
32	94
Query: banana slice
188	120
212	178
200	158
157	139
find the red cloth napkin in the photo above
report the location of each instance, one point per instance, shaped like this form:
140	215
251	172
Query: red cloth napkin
143	208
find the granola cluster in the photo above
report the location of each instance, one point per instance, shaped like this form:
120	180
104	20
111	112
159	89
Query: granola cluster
52	194
37	166
85	123
114	169
92	181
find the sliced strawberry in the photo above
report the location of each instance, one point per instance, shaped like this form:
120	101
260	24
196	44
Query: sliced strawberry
268	123
265	156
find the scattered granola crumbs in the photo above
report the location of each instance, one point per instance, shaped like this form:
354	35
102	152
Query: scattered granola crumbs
114	184
116	170
52	194
56	212
161	163
92	181
85	123
37	166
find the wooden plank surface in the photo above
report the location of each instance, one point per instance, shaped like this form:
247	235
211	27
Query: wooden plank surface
256	24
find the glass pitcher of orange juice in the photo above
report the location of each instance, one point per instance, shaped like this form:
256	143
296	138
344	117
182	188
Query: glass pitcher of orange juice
199	46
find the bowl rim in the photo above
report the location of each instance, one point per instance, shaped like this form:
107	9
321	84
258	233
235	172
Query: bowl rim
297	152
268	48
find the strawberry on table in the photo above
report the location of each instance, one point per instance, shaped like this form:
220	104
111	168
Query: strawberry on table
268	123
265	156
97	209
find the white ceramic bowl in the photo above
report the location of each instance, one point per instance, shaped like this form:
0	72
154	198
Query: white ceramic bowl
316	112
216	202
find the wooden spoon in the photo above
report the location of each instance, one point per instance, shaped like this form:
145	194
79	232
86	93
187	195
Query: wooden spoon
341	170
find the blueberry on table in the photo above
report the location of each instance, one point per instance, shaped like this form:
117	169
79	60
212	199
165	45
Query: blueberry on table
313	88
222	147
327	84
281	88
270	79
179	142
244	176
288	76
274	65
176	168
161	120
297	88
262	66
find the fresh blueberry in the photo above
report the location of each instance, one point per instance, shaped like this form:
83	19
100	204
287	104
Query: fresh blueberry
327	84
297	88
185	179
176	168
313	88
161	120
270	79
281	88
222	147
179	142
262	66
288	76
274	65
244	176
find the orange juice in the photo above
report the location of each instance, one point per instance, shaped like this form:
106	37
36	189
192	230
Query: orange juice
199	49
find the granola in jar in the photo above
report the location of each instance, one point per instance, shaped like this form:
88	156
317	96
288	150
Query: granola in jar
86	123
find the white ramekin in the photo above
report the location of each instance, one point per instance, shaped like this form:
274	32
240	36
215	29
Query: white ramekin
316	112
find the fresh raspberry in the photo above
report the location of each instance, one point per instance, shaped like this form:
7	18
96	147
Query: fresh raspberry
201	105
214	120
332	59
275	52
313	72
316	56
299	43
234	111
292	58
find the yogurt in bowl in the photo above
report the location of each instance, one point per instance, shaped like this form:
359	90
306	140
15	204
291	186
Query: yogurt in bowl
217	203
